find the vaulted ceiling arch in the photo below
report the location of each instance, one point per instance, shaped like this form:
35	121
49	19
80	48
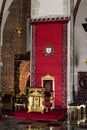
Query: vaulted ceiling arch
4	4
76	8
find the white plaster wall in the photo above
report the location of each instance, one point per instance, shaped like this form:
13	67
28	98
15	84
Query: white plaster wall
0	4
75	2
5	14
45	8
80	41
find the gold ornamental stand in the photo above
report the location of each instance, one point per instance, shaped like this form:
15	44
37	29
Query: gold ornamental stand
76	114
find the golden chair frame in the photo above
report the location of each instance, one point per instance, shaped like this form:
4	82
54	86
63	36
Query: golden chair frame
76	114
46	78
47	82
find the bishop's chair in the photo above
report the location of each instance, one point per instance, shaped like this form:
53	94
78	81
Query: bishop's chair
48	84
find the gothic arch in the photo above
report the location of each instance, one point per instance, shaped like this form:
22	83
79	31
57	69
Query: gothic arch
76	8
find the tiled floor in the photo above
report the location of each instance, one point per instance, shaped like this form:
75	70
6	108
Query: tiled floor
11	123
8	122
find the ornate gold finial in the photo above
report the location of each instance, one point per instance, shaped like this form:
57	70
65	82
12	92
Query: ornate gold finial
86	61
19	31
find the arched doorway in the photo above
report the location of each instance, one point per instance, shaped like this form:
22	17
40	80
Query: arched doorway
21	72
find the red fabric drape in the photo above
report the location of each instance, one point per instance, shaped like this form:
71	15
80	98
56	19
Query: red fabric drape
50	34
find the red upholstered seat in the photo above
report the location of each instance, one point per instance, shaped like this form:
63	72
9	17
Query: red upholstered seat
47	103
49	100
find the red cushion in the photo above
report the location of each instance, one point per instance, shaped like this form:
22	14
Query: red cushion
47	103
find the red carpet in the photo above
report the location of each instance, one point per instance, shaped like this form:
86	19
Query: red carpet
52	115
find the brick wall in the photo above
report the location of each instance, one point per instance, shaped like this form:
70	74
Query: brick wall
12	43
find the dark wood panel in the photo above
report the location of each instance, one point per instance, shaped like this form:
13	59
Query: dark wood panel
82	84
